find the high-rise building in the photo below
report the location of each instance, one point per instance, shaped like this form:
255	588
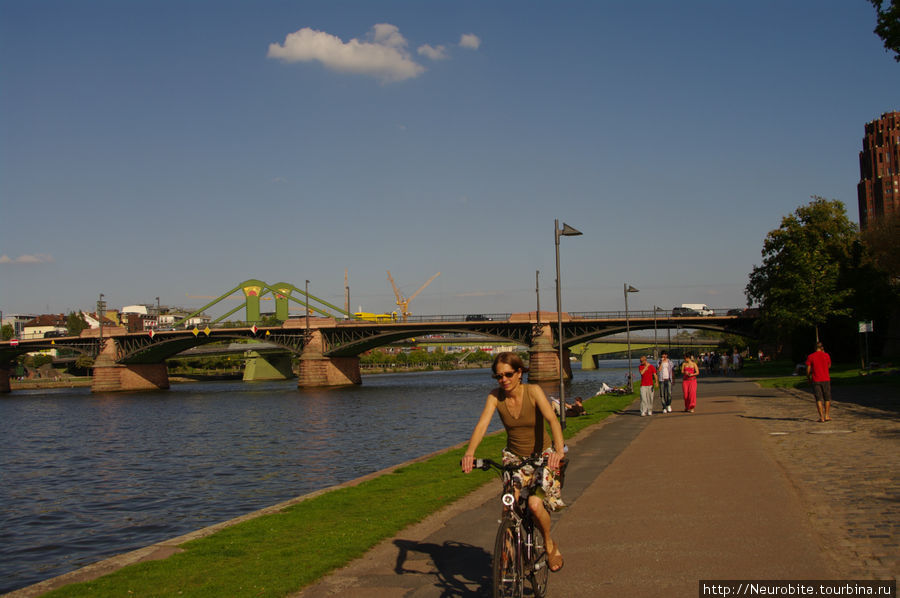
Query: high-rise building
878	190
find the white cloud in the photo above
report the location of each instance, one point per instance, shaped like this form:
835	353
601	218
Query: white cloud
470	41
433	52
385	57
37	258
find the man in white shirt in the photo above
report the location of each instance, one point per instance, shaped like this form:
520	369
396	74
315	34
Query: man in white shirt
666	372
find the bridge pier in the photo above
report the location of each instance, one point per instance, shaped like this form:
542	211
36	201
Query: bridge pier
5	373
317	370
110	376
273	366
544	358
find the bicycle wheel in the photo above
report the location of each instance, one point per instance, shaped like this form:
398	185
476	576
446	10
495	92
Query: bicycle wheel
508	574
538	568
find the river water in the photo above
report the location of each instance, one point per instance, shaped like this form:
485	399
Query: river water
86	476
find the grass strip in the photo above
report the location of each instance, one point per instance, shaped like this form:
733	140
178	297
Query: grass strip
772	375
274	555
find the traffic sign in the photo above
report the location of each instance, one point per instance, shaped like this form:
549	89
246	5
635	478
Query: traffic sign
14	342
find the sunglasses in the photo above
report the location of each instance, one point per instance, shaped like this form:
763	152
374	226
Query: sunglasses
504	374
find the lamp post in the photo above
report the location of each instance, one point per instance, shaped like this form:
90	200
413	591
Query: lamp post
655	348
565	231
629	289
101	306
157	313
306	292
656	309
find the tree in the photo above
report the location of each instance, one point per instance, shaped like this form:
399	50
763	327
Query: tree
888	25
798	283
880	238
880	273
75	323
7	332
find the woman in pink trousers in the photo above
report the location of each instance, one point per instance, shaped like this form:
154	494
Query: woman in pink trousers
689	373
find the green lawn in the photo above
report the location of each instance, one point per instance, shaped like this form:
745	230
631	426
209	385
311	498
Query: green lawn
277	554
778	374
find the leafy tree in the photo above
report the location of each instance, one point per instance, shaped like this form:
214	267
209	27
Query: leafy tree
879	275
888	25
75	323
84	362
880	239
798	284
7	332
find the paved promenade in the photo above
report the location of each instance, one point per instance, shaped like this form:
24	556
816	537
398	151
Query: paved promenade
749	486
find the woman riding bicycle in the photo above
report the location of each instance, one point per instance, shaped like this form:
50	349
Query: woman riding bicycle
523	409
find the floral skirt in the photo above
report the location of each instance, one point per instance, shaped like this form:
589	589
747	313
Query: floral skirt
548	487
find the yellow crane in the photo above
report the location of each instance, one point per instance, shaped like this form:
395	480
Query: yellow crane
403	302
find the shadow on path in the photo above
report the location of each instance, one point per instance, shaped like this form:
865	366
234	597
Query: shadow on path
463	570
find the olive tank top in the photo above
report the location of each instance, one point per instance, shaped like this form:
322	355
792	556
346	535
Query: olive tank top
525	434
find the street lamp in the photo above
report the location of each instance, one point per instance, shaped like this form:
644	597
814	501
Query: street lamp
565	231
656	309
629	289
157	313
101	306
306	292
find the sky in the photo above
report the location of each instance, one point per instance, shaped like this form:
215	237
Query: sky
175	149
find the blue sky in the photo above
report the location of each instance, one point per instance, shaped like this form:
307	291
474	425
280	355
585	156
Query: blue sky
175	149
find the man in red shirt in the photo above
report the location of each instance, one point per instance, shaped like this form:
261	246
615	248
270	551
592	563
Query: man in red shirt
817	365
648	381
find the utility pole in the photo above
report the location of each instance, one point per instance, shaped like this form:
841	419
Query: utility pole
101	307
346	293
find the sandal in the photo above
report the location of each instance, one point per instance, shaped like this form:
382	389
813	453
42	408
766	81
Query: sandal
555	559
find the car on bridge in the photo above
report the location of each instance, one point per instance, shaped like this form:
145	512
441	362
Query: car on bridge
683	312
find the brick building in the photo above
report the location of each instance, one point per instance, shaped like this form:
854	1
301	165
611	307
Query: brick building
878	190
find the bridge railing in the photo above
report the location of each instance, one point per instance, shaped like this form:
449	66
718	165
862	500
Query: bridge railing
501	317
660	314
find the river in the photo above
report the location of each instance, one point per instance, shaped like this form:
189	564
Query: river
86	476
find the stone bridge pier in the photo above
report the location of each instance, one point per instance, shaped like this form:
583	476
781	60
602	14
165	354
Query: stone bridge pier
317	370
544	358
5	373
110	376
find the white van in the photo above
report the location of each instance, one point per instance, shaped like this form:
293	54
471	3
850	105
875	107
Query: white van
701	308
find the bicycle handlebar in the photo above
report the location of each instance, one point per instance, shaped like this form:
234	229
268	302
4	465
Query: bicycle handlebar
486	464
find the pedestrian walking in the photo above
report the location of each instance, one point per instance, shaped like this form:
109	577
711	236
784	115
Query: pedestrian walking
666	372
817	365
649	379
689	373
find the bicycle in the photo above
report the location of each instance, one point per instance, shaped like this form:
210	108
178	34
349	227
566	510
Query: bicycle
519	549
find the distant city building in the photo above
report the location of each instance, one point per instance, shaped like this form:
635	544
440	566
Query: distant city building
17	321
41	325
878	191
140	317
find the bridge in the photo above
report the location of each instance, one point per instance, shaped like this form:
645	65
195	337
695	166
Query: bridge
329	347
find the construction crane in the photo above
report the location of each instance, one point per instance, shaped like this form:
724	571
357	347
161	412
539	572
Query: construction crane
404	302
